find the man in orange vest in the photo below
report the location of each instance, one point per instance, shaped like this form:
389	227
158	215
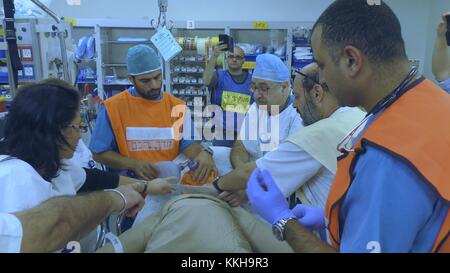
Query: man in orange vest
391	192
143	125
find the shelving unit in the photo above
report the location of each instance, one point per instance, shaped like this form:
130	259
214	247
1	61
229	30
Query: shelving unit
301	47
183	75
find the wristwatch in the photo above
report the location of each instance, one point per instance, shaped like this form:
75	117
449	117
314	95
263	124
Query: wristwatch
208	150
215	184
278	228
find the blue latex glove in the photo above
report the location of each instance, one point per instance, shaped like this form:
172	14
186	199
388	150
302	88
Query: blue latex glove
311	217
265	197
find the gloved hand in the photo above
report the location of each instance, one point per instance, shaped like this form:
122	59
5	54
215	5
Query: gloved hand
265	197
311	217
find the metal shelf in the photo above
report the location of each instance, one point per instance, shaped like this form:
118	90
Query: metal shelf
124	43
196	84
114	65
175	72
184	62
117	83
107	31
86	60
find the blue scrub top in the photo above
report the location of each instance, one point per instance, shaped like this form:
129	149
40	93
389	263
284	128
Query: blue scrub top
445	85
225	82
103	138
389	207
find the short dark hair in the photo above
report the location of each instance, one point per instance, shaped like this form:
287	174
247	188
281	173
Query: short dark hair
33	129
373	29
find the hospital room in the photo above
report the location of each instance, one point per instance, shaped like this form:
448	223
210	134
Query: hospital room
224	127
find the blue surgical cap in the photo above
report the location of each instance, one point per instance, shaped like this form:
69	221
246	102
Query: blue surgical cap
271	68
142	59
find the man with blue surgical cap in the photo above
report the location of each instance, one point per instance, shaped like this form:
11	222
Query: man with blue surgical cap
273	102
441	58
136	128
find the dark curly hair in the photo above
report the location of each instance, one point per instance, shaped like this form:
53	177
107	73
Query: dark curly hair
33	129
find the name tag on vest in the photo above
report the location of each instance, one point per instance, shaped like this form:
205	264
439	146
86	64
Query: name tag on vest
149	139
235	102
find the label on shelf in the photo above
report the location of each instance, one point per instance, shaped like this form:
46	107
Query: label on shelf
190	24
73	21
261	25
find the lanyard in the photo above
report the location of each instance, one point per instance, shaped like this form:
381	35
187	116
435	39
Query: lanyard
346	145
396	94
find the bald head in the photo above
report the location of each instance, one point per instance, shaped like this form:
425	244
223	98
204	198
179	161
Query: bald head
236	59
313	100
238	50
312	77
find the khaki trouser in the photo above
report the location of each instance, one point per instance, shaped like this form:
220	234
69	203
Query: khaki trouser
199	223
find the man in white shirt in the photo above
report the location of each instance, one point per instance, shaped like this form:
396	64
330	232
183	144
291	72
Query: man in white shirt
44	228
272	118
269	120
306	162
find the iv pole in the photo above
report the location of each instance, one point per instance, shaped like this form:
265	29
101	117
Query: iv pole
158	25
61	34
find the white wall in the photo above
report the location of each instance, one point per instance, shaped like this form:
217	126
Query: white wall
418	17
201	10
414	19
413	14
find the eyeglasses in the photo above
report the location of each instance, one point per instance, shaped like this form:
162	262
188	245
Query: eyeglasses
298	71
237	57
263	90
81	128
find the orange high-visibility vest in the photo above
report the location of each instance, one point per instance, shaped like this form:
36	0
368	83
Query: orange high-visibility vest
412	130
146	129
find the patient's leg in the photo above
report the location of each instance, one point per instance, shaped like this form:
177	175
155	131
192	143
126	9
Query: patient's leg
198	225
135	239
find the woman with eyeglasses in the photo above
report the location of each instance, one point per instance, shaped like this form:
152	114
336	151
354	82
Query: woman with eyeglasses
42	131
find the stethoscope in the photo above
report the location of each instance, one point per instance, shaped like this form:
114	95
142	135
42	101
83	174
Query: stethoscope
346	145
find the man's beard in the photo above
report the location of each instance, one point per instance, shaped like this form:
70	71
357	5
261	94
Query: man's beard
152	95
310	116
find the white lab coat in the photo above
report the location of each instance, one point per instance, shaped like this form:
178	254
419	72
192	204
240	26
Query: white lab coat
308	169
82	155
253	133
22	188
10	233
